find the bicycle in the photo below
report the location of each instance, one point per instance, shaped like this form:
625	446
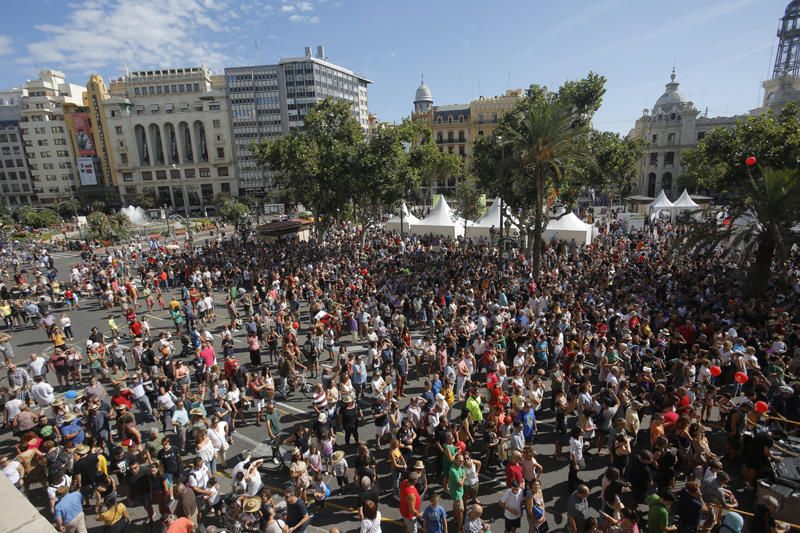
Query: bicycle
298	382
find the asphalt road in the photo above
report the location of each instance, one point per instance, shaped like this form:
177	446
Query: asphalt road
297	410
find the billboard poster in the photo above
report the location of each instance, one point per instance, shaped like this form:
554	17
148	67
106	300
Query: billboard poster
83	134
86	171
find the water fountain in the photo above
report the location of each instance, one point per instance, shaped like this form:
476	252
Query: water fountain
136	215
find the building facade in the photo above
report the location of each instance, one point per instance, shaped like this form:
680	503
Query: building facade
44	132
167	136
673	126
272	100
456	127
15	179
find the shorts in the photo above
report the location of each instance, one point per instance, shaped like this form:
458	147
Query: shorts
380	431
458	505
512	523
411	524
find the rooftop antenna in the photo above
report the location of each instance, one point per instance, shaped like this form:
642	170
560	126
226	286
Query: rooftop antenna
706	115
508	86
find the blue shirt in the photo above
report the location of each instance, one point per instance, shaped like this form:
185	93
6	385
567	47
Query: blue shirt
69	507
181	417
528	423
359	373
436	386
434	518
73	427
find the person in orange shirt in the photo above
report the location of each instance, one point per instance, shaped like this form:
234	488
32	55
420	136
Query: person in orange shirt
178	524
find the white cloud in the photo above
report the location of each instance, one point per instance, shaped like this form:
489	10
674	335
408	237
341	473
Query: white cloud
287	8
304	19
305	6
103	34
5	45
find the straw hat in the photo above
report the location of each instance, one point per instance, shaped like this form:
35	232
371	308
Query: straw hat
322	418
69	417
337	456
419	464
252	504
82	449
196	411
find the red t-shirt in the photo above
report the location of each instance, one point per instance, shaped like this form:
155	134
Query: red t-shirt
405	490
514	472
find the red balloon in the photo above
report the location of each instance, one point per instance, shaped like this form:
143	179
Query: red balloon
296	325
715	371
761	407
750	161
740	377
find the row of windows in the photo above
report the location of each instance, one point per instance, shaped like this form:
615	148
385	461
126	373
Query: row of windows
9	150
8	137
167	89
9	163
669	158
15	187
175	174
10	174
251	88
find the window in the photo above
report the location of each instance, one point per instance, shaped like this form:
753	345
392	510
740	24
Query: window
222	172
147	175
44	154
60	142
654	158
449	136
480	133
161	174
666	182
213	106
225	188
670	139
20	163
216	123
62	153
175	174
461	136
439	137
669	158
38	131
127	177
118	130
205	172
42	142
123	158
136	91
57	129
480	118
655	139
221	153
189	173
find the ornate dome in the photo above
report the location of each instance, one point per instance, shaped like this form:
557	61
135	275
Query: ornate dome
423	94
672	99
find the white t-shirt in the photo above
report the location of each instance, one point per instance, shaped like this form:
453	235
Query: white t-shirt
576	448
11	471
37	366
514	501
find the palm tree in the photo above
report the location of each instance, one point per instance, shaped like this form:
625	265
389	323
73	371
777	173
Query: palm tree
543	138
758	229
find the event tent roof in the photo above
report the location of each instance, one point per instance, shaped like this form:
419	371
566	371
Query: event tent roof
393	224
440	221
685	201
567	228
661	201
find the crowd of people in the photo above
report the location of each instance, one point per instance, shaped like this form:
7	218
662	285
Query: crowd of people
435	379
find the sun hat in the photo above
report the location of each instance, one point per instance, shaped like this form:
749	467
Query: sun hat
419	464
252	504
337	456
69	417
322	418
82	449
196	411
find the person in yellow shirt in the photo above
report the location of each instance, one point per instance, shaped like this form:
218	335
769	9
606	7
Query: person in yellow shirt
113	326
5	313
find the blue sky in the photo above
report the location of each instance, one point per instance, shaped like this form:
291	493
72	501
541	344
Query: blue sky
721	48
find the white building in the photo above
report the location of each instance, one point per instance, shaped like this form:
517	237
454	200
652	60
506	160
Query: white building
272	100
50	157
15	179
170	137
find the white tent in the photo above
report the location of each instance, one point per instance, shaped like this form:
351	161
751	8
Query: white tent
393	224
685	201
567	228
440	222
661	202
490	220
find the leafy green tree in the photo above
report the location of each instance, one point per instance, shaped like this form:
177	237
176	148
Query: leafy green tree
612	163
67	208
757	231
37	218
103	227
540	153
717	162
468	200
230	209
315	165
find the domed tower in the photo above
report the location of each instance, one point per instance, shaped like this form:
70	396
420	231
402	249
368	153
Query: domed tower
423	100
670	104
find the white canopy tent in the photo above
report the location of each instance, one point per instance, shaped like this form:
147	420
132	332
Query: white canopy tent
488	221
567	228
440	222
685	201
393	224
661	202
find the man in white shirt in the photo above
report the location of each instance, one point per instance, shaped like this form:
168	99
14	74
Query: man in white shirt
38	365
12	470
512	504
42	392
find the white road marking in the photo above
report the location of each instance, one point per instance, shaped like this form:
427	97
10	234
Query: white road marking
291	408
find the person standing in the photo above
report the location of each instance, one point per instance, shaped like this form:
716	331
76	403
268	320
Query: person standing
511	502
455	484
578	509
69	511
410	502
435	517
297	516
